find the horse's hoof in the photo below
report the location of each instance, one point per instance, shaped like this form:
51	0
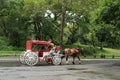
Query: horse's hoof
80	62
73	63
67	63
60	64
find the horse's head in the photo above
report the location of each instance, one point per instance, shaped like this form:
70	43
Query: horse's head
81	51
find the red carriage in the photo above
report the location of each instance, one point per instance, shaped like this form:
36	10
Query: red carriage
38	51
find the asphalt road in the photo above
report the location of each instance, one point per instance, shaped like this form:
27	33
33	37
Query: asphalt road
90	69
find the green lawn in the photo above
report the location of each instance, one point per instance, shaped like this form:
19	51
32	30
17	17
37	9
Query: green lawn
109	52
9	53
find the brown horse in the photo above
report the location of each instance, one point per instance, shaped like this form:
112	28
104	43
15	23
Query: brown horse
72	52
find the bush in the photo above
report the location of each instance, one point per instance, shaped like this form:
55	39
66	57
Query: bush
5	45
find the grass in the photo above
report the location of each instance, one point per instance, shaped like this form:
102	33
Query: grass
9	53
110	52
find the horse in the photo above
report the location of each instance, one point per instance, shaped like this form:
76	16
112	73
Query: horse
74	52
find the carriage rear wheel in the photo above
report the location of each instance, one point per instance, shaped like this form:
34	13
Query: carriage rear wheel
21	59
31	58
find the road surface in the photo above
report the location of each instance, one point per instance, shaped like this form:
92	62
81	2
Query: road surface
90	69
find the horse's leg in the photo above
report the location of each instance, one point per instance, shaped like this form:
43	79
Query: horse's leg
61	59
67	59
73	60
78	56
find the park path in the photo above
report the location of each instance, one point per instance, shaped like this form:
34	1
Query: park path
90	69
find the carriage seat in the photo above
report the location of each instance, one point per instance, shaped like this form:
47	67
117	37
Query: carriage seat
40	52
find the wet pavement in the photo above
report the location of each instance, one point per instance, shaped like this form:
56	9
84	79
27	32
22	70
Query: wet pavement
90	69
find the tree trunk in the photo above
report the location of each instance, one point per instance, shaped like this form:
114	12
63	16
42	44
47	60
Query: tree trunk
101	47
62	22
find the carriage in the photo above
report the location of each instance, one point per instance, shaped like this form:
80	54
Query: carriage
40	51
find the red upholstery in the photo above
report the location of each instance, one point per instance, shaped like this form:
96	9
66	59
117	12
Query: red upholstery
57	48
40	52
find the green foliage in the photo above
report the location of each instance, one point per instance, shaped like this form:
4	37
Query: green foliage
91	22
107	18
110	15
4	44
104	32
11	22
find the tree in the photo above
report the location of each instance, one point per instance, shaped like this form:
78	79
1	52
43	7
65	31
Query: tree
12	22
108	19
104	34
72	12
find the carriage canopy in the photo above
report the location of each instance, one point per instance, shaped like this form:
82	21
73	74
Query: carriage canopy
29	43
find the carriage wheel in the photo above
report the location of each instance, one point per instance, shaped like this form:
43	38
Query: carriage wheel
31	58
49	59
56	60
21	59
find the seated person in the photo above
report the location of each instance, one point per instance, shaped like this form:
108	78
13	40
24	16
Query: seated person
50	46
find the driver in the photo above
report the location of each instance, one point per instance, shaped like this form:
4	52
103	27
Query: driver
51	46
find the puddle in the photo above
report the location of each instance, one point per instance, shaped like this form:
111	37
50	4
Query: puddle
116	64
10	64
76	68
18	64
93	72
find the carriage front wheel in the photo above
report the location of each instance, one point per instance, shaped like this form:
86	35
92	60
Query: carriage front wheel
56	60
